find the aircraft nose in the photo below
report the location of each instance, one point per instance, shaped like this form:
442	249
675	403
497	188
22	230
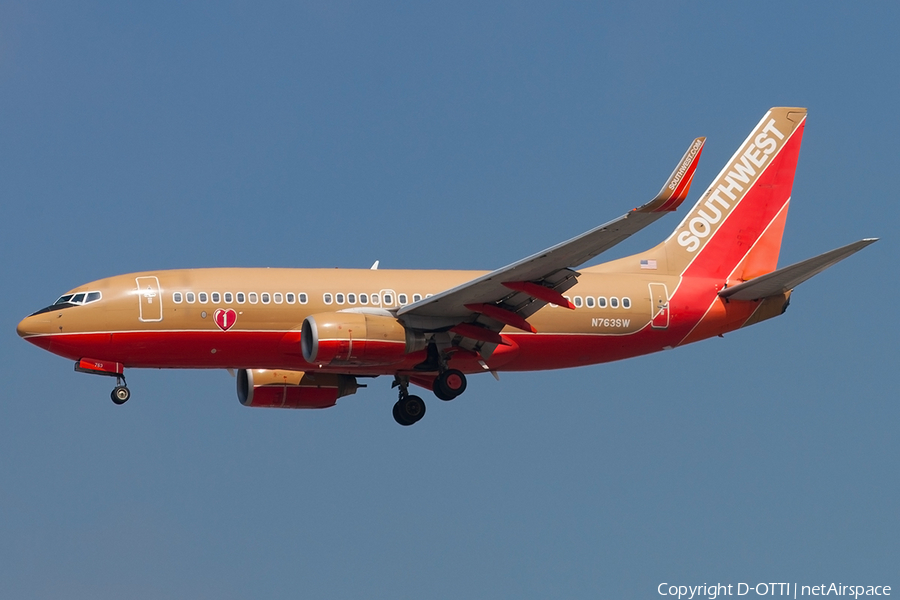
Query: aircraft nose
22	328
33	325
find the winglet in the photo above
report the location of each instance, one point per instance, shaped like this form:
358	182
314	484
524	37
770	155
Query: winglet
674	192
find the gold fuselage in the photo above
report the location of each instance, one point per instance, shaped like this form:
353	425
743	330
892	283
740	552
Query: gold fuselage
175	332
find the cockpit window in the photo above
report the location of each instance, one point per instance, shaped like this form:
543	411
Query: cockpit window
70	300
79	298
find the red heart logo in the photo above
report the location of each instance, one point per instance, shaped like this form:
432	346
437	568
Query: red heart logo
225	318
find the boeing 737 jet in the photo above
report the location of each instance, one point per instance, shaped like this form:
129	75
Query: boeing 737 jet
303	338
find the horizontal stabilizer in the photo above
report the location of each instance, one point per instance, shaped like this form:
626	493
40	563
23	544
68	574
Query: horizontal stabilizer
782	280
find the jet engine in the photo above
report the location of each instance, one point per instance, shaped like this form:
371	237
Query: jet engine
292	389
358	339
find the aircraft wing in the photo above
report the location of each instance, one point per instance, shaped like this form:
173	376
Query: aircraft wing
782	280
512	293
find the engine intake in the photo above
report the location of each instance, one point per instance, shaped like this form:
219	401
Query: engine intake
358	339
292	389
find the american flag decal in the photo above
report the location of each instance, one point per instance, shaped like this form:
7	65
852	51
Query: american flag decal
648	264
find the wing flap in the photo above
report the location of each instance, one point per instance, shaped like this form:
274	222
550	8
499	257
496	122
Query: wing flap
787	278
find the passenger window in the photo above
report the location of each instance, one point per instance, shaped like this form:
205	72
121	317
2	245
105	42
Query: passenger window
190	297
302	298
589	301
289	297
614	302
339	298
626	302
176	298
241	298
93	296
326	298
277	298
601	301
417	297
363	298
216	298
388	299
351	298
402	300
228	298
376	299
429	295
578	302
265	298
203	297
253	297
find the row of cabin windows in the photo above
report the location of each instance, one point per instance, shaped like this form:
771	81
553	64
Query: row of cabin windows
402	299
240	297
600	302
340	298
386	298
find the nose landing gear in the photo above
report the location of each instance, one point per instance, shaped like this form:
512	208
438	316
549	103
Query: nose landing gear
120	393
107	368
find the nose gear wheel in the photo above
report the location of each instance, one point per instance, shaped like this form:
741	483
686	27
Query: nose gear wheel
120	393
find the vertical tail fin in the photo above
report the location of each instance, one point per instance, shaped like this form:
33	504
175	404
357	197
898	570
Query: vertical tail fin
734	231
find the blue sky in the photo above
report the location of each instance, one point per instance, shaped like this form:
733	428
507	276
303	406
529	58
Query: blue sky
141	136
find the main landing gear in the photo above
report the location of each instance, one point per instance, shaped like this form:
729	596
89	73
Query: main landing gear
410	409
449	384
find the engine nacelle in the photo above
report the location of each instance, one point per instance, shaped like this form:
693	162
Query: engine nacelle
271	388
358	339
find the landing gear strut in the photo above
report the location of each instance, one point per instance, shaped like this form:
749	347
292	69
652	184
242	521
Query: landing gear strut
409	409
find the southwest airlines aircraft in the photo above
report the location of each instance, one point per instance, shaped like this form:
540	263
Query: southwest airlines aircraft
302	338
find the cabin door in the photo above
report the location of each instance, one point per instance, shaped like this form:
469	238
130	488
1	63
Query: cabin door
150	299
659	302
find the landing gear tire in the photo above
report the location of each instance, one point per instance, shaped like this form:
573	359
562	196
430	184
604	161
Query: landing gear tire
409	410
120	394
450	384
441	394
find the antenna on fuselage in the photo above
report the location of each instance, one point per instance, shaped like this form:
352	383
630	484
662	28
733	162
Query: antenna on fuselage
374	266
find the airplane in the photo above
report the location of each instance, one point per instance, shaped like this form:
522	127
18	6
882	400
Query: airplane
303	338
